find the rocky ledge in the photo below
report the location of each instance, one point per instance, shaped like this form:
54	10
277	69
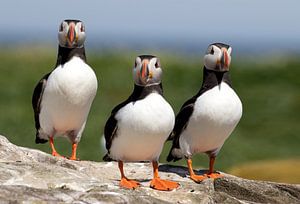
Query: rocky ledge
36	177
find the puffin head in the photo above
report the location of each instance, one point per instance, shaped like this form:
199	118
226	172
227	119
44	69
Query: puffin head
71	34
147	70
218	57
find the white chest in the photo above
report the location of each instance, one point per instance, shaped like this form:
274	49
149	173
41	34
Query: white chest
219	105
68	96
216	113
143	127
75	82
151	115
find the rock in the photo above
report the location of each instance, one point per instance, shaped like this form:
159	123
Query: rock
33	176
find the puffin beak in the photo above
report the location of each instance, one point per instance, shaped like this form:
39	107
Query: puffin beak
225	59
71	33
145	70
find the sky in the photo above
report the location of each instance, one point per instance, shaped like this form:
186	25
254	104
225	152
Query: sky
245	23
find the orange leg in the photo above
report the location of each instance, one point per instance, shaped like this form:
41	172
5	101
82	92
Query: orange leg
74	149
125	182
193	176
211	173
54	152
159	184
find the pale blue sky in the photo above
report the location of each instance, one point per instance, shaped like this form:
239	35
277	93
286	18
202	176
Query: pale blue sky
136	21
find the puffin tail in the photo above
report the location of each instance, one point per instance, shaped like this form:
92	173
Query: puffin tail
107	158
39	140
174	155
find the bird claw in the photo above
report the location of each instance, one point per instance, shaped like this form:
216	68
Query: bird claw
198	178
129	184
214	175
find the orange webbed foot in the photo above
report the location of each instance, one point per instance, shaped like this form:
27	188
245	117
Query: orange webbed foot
163	185
215	175
198	178
129	184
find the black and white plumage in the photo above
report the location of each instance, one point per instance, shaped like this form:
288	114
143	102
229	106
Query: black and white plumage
138	127
207	119
62	99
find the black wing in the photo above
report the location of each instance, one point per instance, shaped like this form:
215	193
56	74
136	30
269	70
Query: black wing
111	127
36	104
182	118
210	80
110	131
181	122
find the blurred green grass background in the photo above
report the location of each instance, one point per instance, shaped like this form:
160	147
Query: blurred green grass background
269	89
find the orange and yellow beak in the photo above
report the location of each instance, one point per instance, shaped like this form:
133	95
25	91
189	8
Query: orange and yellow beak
224	62
71	36
225	59
144	72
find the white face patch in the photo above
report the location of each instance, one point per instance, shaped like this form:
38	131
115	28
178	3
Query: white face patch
229	51
215	58
62	33
213	53
153	72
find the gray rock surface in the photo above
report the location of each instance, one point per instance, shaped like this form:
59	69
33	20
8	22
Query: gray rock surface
32	176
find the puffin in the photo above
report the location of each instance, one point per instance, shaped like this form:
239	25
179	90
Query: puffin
206	120
138	127
62	99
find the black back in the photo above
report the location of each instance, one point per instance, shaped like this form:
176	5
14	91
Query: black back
210	80
36	105
64	55
111	125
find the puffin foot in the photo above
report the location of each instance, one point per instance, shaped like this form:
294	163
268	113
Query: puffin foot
129	184
163	185
214	175
198	178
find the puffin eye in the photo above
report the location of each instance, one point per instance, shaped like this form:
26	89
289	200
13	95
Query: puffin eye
61	28
212	51
82	29
157	64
